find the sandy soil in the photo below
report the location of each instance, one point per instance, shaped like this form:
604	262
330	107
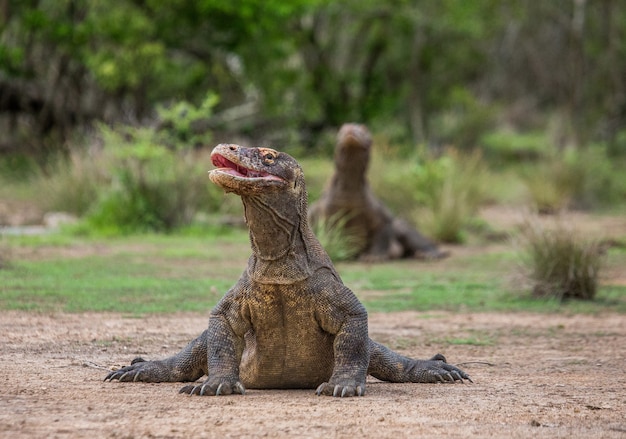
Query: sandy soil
542	375
535	375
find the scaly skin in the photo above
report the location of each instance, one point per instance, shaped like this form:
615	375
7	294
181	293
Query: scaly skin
378	236
289	321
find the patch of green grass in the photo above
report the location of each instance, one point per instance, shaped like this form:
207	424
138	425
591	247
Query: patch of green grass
104	284
474	283
165	273
471	341
136	275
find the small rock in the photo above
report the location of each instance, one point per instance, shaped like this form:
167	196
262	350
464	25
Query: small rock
54	220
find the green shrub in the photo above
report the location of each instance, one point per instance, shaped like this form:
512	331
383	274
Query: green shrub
559	261
138	179
152	187
393	178
72	184
575	178
182	124
440	194
17	167
547	186
512	147
594	178
465	120
339	244
451	188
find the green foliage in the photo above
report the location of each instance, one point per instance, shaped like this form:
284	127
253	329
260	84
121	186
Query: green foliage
511	147
434	72
580	179
561	262
451	187
16	167
336	240
182	123
140	179
393	179
548	187
464	121
152	188
73	184
439	193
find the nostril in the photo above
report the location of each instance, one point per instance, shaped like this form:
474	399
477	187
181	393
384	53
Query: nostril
232	147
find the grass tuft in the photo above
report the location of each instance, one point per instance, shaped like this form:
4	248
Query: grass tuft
336	240
452	188
575	178
560	262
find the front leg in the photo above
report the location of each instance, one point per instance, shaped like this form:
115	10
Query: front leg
351	346
388	365
188	365
224	352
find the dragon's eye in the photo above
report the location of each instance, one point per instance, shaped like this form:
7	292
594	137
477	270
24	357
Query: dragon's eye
268	155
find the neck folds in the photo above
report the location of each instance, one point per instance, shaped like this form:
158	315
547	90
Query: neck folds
279	255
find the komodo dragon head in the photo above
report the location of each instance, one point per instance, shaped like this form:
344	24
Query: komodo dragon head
272	187
249	171
352	152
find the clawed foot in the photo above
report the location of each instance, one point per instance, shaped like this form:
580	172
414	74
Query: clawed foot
214	388
339	390
436	370
157	371
132	372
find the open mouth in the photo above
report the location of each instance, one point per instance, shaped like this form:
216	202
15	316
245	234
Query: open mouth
228	167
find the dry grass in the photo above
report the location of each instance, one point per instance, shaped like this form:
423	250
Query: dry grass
338	242
560	261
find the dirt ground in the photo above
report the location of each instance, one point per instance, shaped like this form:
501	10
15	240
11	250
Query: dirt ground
534	375
543	375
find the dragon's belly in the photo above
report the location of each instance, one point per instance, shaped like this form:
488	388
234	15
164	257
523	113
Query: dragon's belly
286	347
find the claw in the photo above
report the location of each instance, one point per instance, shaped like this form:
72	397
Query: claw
360	391
319	389
336	390
186	389
219	390
438	357
136	377
121	378
201	390
112	376
240	388
344	392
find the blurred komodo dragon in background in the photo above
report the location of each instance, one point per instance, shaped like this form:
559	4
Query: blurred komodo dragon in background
289	321
375	232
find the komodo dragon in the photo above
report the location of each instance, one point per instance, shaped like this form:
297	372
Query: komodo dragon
376	234
289	321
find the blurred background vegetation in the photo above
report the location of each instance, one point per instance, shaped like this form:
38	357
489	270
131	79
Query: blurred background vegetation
107	107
